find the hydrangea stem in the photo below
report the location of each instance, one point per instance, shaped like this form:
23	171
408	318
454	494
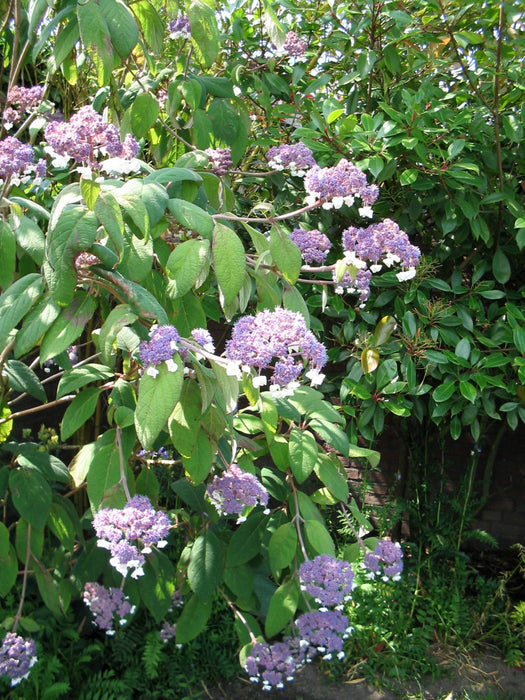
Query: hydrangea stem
123	479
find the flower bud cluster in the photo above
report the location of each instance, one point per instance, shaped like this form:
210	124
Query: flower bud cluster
296	157
15	157
329	581
294	45
162	346
282	335
84	137
339	185
167	631
220	159
20	100
385	561
108	606
236	491
179	28
314	245
17	657
130	533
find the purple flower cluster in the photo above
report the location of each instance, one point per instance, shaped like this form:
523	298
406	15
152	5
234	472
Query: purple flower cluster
25	99
130	533
296	157
386	561
85	136
339	185
325	630
294	45
162	346
162	453
203	338
108	605
382	243
235	491
15	157
358	284
17	657
281	334
273	664
167	631
220	159
179	28
329	581
314	245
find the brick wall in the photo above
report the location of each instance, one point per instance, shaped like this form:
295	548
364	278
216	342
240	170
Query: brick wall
502	516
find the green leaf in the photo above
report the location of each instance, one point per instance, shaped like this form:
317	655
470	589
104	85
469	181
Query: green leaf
369	360
331	473
7	254
103	464
303	452
144	112
229	261
36	541
204	31
151	24
56	596
36	322
383	330
191	495
157	398
193	619
444	392
4	541
122	26
462	349
185	266
468	390
282	547
69	325
95	35
72	229
333	435
78	377
372	456
157	585
107	211
8	571
198	464
61	525
90	190
283	605
286	255
22	378
79	411
206	565
31	496
184	421
319	538
228	385
246	540
16	301
119	317
501	267
192	217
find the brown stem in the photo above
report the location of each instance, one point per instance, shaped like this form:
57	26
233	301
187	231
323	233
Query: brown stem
24	580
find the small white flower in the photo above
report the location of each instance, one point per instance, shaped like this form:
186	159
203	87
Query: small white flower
366	212
171	365
259	381
405	275
152	371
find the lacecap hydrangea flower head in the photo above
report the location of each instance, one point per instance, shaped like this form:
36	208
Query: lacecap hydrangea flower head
109	606
161	348
130	532
274	664
313	244
338	185
329	581
386	561
17	657
295	157
236	491
278	341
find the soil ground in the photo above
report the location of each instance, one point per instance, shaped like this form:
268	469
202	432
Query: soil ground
480	673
